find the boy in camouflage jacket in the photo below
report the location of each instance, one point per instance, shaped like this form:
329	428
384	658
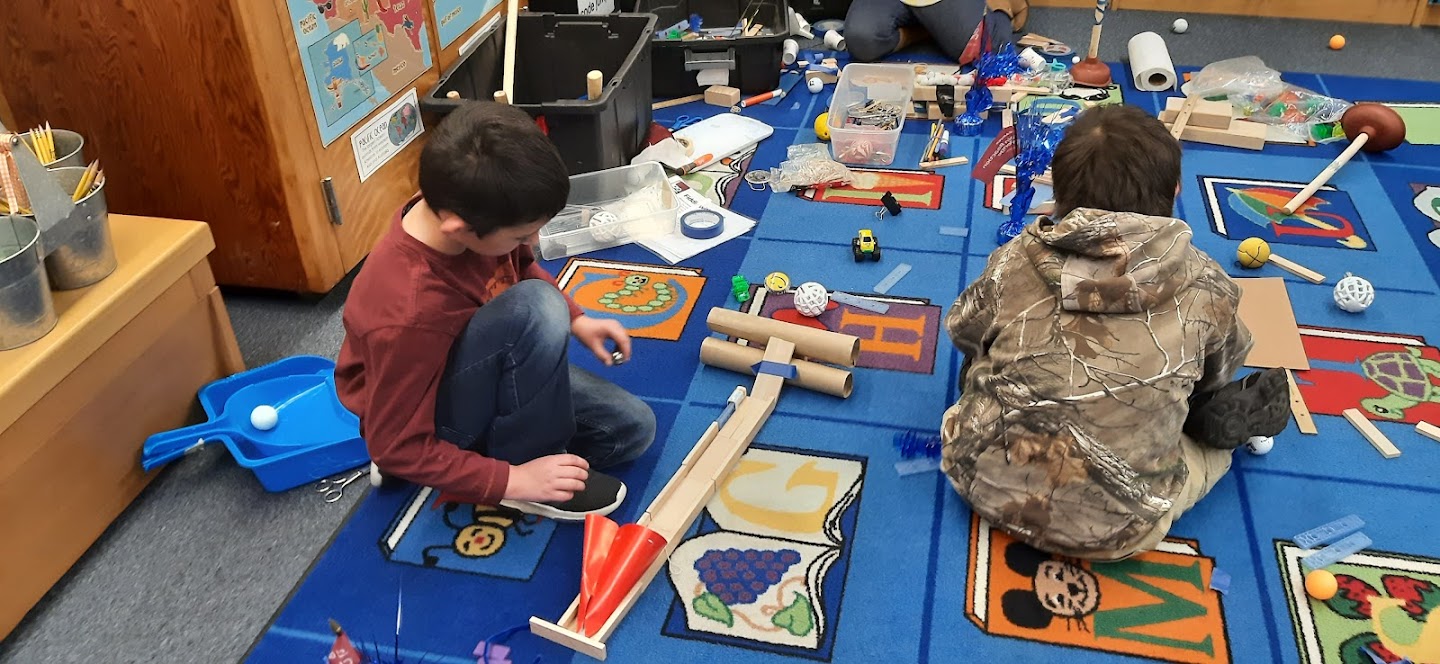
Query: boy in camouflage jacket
1087	342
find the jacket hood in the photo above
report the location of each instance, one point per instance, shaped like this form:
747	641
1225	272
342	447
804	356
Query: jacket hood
1112	262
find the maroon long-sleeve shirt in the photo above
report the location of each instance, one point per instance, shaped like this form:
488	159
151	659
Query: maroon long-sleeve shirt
405	309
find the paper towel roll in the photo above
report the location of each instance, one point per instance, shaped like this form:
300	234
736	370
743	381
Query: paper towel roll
1150	61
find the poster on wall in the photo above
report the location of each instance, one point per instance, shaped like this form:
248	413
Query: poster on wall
357	55
454	17
386	135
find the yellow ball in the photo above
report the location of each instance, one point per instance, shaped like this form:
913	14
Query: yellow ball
822	127
777	282
1337	42
1253	252
1321	584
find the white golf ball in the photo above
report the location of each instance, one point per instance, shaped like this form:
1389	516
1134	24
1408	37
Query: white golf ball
264	418
1260	445
1179	26
815	85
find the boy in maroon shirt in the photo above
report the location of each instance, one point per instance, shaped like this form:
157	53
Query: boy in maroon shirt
455	352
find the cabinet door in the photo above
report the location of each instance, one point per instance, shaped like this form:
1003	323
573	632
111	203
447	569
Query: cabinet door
355	70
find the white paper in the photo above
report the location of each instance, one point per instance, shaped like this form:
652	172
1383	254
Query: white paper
379	140
709	77
676	247
1150	60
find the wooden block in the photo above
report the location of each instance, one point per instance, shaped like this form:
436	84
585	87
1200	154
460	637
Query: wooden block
1005	93
1182	119
826	78
1297	269
1241	134
672	519
1367	429
1428	430
722	95
1298	408
1208	114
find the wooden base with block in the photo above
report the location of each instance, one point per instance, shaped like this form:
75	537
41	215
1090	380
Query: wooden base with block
1367	429
1241	134
708	463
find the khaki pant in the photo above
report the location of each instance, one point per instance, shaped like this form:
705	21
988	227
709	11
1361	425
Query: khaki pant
1206	465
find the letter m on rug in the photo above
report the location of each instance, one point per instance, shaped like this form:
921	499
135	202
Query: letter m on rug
1156	605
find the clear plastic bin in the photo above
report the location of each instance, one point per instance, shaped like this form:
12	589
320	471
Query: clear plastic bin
858	84
609	208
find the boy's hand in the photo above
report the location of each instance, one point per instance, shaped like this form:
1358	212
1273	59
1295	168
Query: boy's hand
594	332
549	479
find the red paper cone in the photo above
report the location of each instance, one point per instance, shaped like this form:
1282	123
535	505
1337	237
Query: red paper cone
635	547
343	652
599	534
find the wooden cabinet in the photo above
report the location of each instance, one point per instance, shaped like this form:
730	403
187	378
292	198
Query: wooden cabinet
124	361
1393	12
201	110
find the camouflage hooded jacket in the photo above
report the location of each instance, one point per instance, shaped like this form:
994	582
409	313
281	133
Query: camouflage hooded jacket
1083	341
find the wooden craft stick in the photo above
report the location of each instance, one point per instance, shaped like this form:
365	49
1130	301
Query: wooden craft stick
678	101
1367	429
1183	118
942	163
512	11
594	84
1297	269
1428	430
1299	409
1326	174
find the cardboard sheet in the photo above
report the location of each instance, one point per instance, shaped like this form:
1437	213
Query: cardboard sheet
1265	310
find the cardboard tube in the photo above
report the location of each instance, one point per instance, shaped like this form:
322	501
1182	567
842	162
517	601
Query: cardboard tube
809	375
831	347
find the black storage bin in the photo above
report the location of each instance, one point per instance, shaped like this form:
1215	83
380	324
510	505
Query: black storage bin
553	54
753	62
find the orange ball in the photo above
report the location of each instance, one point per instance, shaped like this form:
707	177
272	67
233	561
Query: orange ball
1337	42
1321	584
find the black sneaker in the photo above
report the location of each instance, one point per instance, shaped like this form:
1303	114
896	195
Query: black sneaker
1256	405
601	495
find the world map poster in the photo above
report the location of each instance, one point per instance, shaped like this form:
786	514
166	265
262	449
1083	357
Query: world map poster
357	54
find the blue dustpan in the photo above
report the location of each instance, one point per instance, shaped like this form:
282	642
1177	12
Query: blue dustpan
315	435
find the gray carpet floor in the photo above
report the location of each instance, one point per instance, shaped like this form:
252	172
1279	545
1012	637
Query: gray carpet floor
195	568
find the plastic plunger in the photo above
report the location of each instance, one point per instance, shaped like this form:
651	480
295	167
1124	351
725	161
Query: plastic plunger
1091	71
632	552
599	535
1370	127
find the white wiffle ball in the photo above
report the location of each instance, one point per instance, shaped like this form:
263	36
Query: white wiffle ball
1179	26
1354	294
604	226
1260	444
811	299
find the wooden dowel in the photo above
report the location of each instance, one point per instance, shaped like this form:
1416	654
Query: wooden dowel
594	84
1326	174
678	101
512	11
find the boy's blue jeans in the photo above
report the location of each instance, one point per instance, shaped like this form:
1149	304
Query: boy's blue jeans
510	393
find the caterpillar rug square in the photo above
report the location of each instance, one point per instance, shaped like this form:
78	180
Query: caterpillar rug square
651	301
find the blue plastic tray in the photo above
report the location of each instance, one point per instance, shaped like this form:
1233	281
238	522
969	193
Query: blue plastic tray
315	435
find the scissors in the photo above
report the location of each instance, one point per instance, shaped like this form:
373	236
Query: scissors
685	121
334	488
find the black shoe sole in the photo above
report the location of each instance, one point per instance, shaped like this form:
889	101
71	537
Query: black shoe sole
1257	405
552	512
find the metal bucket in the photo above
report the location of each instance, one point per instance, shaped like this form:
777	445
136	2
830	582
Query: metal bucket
27	311
69	148
88	256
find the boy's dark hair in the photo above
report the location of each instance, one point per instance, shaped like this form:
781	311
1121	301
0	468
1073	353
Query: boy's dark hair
490	165
1118	159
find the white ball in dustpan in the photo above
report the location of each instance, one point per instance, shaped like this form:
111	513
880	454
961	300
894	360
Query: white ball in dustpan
811	299
1354	294
264	418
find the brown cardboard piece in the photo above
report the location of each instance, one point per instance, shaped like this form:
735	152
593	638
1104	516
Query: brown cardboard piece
1265	310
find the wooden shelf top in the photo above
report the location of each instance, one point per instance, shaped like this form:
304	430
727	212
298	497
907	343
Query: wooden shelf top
151	255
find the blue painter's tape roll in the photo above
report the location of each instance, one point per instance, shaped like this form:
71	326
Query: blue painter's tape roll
776	368
702	224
